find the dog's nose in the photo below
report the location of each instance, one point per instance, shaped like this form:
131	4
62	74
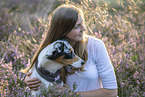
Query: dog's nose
82	62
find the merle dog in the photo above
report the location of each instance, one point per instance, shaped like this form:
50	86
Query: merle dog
49	63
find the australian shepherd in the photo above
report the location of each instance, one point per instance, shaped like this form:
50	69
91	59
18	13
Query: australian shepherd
50	62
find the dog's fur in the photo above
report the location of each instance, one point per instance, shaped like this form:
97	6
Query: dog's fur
50	62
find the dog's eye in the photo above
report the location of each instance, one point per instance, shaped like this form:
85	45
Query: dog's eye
71	50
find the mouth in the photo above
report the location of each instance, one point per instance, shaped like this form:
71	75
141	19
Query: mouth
80	35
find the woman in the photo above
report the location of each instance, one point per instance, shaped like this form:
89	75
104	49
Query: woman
99	78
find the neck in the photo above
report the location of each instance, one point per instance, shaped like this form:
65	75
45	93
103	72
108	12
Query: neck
72	43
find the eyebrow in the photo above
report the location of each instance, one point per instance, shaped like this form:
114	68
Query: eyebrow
78	24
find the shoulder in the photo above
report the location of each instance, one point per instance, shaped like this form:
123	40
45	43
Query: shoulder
93	41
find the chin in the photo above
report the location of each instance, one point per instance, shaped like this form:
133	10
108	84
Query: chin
77	39
80	39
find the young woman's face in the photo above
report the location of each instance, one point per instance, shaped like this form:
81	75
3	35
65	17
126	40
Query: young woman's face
76	34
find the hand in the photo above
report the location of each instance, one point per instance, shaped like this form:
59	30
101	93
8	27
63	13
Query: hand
62	89
32	83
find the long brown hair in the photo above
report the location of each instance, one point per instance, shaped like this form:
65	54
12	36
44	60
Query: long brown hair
62	22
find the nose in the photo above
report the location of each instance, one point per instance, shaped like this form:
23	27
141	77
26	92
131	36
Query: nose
82	63
83	27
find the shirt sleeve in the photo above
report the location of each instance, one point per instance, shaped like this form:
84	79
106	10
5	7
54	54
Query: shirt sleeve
104	66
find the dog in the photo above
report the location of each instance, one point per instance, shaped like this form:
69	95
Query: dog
50	62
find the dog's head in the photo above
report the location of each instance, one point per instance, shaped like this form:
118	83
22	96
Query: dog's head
64	53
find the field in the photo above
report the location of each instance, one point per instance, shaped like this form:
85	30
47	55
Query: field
119	23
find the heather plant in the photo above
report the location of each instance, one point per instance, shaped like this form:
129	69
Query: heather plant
119	23
55	91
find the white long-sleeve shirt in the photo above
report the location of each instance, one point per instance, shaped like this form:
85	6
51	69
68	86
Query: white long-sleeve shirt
99	70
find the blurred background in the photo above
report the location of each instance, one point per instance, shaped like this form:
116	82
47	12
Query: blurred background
119	23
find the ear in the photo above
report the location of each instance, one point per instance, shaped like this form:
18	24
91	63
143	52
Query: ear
59	47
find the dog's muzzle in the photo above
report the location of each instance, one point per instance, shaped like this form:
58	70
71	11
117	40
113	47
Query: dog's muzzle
82	63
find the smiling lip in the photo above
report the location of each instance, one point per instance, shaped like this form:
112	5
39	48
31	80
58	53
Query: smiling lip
81	34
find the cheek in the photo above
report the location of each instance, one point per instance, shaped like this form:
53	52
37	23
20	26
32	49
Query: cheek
76	32
69	35
73	33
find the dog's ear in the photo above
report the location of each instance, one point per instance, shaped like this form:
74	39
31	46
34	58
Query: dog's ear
63	49
58	49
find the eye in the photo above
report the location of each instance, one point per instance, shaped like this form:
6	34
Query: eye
76	26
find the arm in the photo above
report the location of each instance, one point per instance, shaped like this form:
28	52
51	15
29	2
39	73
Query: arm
105	71
34	83
99	93
105	67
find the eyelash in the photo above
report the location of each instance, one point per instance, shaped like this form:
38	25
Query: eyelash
76	27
